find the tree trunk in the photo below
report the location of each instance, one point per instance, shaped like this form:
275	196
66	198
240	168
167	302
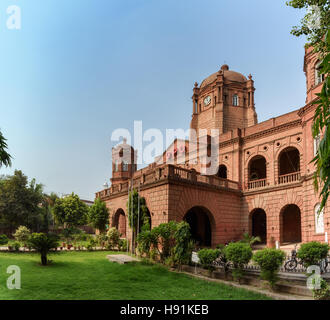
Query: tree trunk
44	259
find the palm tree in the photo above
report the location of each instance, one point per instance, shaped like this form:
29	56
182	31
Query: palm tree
250	239
5	157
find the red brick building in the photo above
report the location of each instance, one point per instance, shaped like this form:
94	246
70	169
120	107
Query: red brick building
264	181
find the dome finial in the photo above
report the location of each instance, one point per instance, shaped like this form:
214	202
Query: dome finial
225	67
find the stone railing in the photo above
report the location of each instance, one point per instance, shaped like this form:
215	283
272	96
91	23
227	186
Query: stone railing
256	184
289	178
149	176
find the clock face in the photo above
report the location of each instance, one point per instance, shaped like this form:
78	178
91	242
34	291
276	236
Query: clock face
207	101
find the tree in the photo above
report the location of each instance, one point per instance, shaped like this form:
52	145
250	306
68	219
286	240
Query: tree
98	215
315	26
43	243
137	214
70	211
20	202
5	157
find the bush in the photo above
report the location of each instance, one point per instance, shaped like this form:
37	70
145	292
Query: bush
312	253
207	256
146	240
113	238
91	244
22	235
269	261
3	239
43	243
122	245
183	244
323	293
102	240
166	238
239	254
16	245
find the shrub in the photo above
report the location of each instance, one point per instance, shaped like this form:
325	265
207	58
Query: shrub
312	253
146	240
16	245
3	239
269	261
166	238
102	240
22	235
183	244
239	254
207	256
43	243
113	238
91	244
323	293
122	245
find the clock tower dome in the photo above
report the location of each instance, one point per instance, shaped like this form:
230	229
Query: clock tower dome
224	101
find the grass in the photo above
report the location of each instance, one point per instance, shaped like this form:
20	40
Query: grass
90	276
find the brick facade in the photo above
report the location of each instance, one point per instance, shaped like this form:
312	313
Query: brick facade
268	184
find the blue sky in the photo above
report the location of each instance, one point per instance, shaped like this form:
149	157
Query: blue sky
77	70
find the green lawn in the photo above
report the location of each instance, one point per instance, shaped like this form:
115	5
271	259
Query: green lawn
89	275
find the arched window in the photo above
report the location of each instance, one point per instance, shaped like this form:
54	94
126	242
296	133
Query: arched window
319	77
125	166
257	172
222	172
319	219
316	144
235	100
116	166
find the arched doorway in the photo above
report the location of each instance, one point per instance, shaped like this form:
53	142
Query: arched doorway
290	224
258	220
200	225
222	172
120	222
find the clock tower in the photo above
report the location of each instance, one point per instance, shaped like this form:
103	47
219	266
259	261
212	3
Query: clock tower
224	101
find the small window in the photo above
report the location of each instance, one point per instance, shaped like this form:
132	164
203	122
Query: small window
316	144
319	77
196	106
125	166
319	220
235	100
116	165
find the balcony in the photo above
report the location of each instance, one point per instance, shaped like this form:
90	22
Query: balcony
256	184
289	178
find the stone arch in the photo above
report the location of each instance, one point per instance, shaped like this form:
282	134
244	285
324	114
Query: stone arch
290	224
190	198
202	225
119	222
258	224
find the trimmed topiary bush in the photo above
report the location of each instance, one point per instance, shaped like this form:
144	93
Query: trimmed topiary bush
269	261
239	254
22	235
312	253
207	256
